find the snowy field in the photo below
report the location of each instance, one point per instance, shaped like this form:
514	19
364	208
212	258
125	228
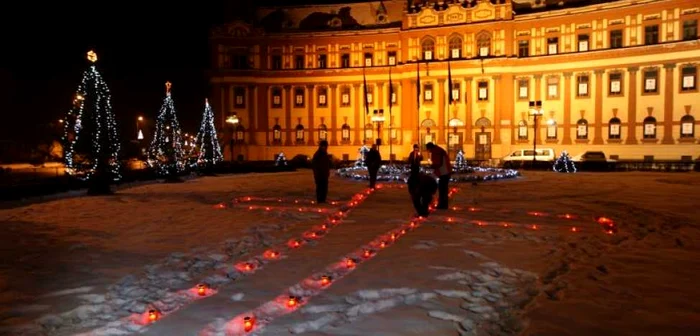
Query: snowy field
523	256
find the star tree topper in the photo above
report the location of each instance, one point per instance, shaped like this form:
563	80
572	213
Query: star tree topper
92	56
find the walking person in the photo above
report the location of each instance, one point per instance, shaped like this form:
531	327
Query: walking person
321	165
422	187
373	161
443	169
414	159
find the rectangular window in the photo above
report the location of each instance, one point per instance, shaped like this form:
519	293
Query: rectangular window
322	61
239	61
345	60
523	48
552	45
614	131
689	78
583	42
483	93
651	34
483	51
322	97
651	79
455	53
370	95
368	59
616	38
428	92
615	84
582	90
276	62
345	96
391	58
239	97
553	87
276	98
299	62
299	97
523	93
690	30
428	55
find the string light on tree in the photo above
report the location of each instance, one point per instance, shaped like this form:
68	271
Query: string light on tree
91	145
165	153
281	160
206	141
460	162
564	164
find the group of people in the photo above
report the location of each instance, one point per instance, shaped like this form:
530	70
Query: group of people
421	186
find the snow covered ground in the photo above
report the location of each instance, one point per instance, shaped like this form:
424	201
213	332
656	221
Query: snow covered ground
523	256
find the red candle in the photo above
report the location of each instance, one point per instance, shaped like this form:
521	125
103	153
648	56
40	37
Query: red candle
349	263
382	244
291	302
152	315
249	267
574	229
201	289
325	280
247	323
367	253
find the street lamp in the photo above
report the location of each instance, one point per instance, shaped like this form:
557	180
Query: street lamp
233	121
535	112
139	133
378	117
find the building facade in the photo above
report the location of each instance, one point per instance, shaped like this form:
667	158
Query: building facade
615	76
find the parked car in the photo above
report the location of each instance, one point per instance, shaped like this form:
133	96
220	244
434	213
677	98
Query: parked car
593	160
516	158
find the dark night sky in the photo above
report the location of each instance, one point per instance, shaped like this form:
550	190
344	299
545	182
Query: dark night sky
140	45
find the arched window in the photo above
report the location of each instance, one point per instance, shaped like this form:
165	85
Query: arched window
483	44
428	48
240	133
649	127
300	133
522	130
369	132
687	126
455	47
276	134
614	127
551	129
322	132
345	133
582	129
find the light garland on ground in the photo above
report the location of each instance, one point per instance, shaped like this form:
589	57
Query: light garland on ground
165	152
206	141
401	172
92	119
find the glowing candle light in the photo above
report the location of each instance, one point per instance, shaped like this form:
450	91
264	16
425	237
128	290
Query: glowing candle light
248	267
324	227
296	244
472	209
292	302
393	236
454	208
506	225
296	201
247	323
325	280
202	289
367	253
267	209
412	225
574	229
250	208
449	219
350	263
313	202
300	209
152	315
403	231
534	227
248	198
382	244
604	221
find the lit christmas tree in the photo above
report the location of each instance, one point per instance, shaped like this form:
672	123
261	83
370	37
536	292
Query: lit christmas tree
206	141
165	153
91	145
460	162
360	162
281	160
564	164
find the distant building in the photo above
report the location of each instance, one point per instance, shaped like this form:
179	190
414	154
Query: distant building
617	76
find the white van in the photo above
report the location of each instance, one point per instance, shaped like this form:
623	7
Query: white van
517	157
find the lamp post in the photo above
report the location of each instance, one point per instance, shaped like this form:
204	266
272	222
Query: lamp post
535	112
233	121
378	117
139	134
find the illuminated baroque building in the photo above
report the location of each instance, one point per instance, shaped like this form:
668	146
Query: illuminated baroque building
617	76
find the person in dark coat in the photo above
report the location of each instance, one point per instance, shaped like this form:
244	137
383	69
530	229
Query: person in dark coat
443	170
414	159
373	161
321	165
422	187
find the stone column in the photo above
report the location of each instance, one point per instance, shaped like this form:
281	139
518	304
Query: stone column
538	96
567	109
334	114
288	115
598	123
356	104
632	107
415	108
263	111
468	122
442	100
252	113
310	106
497	109
668	105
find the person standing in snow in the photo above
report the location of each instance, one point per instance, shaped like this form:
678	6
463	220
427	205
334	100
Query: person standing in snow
321	165
414	159
374	162
422	188
442	168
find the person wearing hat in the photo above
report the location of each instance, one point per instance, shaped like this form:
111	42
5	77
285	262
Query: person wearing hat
414	159
443	169
321	165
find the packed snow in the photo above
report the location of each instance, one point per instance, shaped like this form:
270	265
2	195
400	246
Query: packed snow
519	256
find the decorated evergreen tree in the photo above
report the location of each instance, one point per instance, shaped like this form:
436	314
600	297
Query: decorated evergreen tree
360	162
206	141
281	160
564	164
460	162
90	141
165	154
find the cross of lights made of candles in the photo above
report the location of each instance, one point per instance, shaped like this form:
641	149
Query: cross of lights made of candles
317	283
